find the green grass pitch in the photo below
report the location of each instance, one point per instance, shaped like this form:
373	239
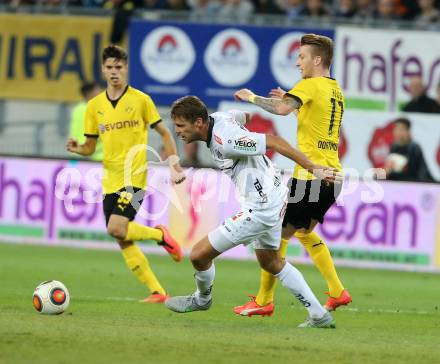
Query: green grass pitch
394	317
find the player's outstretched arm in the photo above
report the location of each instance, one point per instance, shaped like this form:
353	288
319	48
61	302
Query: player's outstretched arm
177	174
86	149
283	147
278	106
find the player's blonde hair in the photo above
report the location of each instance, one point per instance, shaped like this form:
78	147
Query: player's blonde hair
322	46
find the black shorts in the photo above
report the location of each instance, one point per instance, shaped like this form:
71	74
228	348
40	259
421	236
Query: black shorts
308	204
122	203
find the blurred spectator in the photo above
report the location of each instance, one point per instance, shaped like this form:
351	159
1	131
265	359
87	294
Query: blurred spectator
52	3
364	9
407	9
124	11
346	9
206	7
88	91
17	3
314	8
406	161
177	5
429	14
385	10
293	8
154	4
420	102
267	7
89	3
236	8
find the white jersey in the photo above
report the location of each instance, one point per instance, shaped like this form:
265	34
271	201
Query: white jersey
240	154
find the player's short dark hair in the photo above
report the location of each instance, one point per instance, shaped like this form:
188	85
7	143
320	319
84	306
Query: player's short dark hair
114	51
189	108
87	87
322	46
403	121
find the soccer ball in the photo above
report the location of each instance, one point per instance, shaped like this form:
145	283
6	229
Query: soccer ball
51	298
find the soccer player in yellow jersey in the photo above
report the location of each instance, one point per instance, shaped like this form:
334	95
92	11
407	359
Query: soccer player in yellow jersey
319	104
120	118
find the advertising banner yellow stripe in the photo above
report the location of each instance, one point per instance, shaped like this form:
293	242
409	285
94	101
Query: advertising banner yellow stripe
47	57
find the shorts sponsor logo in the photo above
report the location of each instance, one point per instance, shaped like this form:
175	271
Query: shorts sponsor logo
167	54
259	188
237	216
231	57
283	58
245	144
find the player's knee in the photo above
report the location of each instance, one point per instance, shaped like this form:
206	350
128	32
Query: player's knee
288	231
303	232
197	258
267	266
273	266
117	231
123	244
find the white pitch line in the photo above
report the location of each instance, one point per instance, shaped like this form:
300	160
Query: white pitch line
350	309
122	299
384	310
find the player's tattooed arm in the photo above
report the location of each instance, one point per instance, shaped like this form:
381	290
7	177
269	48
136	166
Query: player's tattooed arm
282	106
274	105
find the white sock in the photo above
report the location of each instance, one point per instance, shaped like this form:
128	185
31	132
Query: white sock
204	281
293	280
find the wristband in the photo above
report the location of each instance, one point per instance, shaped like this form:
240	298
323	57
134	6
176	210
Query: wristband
251	98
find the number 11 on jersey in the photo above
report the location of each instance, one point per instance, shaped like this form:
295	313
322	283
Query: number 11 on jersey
335	103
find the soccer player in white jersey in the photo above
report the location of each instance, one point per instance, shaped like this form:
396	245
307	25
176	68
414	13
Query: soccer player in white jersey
240	154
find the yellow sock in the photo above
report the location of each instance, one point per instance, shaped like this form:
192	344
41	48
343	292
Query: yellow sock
322	259
268	281
138	264
136	232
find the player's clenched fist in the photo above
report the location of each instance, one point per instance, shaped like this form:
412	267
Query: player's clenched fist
72	145
244	94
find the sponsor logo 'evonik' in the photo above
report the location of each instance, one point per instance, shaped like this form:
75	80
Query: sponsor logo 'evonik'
118	125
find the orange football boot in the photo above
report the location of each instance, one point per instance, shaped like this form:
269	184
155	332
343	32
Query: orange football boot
333	303
253	308
156	297
170	244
